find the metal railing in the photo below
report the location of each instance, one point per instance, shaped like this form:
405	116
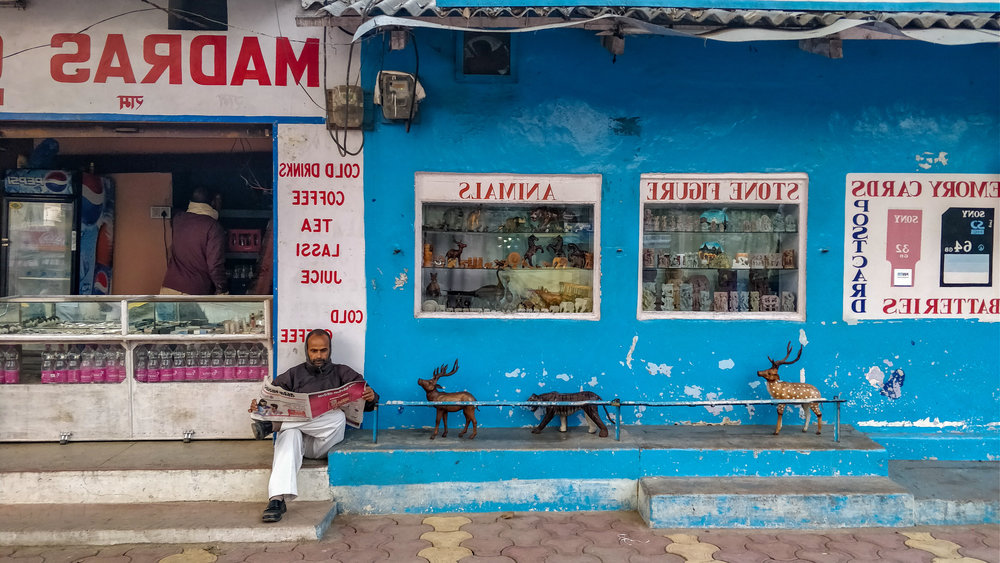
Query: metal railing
617	404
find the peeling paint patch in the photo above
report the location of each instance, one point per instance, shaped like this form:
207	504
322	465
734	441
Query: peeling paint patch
515	373
654	369
563	377
631	350
716	410
893	387
927	159
802	337
592	382
887	362
754	384
726	364
922	423
802	375
875	376
751	410
401	280
693	391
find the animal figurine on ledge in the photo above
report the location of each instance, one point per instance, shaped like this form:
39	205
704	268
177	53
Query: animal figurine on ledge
434	288
533	247
788	390
431	387
591	414
455	253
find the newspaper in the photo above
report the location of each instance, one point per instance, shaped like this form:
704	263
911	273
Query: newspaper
276	404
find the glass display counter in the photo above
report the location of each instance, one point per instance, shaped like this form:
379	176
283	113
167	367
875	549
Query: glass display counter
131	367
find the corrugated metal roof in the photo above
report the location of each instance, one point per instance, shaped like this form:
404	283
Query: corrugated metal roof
711	18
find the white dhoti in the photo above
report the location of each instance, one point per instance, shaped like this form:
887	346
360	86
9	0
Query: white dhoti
312	439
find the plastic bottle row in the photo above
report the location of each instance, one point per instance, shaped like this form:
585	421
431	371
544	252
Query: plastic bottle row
160	363
83	363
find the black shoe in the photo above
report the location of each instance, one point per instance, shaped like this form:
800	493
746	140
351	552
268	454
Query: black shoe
274	510
261	429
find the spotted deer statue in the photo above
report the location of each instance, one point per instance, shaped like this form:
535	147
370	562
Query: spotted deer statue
788	390
431	387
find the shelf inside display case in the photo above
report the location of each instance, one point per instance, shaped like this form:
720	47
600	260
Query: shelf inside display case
721	262
511	259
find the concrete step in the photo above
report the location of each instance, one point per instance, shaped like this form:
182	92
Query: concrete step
167	522
513	469
774	502
147	472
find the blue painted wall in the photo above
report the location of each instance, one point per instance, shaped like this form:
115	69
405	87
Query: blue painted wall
702	107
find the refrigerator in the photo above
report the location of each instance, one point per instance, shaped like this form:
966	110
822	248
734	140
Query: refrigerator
58	233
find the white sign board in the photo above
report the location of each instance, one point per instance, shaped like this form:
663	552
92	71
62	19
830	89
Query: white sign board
922	246
129	63
320	246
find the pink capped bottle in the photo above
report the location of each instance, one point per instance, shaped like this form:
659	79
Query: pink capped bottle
59	365
87	365
190	362
153	364
217	359
166	363
48	373
177	359
243	362
139	357
11	365
204	362
100	370
229	362
116	361
73	364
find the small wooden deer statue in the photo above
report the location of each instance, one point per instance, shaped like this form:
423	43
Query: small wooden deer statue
787	390
431	387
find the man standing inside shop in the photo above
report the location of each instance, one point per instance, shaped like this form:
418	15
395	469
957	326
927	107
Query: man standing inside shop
314	438
197	264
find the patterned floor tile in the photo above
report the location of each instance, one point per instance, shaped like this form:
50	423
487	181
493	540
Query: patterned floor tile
527	553
320	551
665	558
567	544
573	558
610	553
524	536
490	559
275	557
822	556
487	546
779	550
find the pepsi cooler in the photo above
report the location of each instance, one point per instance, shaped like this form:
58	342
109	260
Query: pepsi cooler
58	229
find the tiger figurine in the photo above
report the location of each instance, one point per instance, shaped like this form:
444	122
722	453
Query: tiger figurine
592	415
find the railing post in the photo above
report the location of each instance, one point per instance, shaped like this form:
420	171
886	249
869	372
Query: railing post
836	424
618	419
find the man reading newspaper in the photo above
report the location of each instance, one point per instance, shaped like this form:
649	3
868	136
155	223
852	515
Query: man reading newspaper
309	432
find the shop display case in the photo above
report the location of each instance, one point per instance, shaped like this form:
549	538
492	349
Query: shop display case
168	366
518	257
735	252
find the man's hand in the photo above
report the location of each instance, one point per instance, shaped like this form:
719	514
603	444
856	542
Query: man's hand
369	394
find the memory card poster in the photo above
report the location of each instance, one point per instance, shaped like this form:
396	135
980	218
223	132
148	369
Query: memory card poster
922	246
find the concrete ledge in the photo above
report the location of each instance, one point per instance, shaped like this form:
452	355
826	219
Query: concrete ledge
171	523
774	502
498	496
150	486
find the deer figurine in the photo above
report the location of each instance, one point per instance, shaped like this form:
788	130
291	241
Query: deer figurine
788	390
431	387
455	253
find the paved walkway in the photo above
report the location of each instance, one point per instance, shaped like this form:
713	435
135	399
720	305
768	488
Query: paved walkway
578	537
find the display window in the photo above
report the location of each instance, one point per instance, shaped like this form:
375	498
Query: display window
507	245
722	246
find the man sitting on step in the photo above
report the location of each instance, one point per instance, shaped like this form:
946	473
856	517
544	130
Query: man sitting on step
314	438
